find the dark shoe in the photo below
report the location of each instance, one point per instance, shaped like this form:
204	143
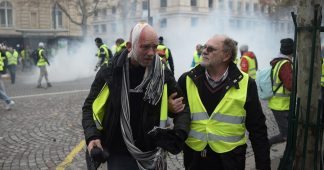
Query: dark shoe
49	85
39	86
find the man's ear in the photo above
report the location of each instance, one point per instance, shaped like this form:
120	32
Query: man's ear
227	57
128	46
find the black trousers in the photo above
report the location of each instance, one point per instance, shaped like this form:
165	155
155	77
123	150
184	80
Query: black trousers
232	160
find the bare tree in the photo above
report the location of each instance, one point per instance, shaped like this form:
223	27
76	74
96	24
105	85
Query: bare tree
84	9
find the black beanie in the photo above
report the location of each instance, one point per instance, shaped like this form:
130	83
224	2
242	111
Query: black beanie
287	46
98	40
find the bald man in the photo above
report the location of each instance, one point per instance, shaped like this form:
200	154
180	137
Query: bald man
126	110
224	105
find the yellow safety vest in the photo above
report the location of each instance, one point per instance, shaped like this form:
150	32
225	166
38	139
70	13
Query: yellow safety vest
225	129
23	54
252	66
12	57
322	76
120	47
105	48
197	58
41	60
281	99
1	63
98	106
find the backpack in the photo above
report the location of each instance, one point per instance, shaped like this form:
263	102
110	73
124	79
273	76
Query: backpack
264	83
34	56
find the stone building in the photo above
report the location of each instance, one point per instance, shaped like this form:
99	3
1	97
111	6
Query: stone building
30	21
114	19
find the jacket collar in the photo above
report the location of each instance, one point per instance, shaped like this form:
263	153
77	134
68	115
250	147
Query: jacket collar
234	75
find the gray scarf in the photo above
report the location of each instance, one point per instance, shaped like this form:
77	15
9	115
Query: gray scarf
154	76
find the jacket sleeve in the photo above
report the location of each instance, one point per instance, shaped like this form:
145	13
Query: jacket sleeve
255	124
285	75
181	120
88	124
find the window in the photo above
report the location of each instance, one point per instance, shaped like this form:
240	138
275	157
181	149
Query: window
113	10
193	2
145	5
163	3
96	28
247	7
194	21
210	3
5	14
103	28
230	4
33	16
113	27
255	7
163	23
221	4
57	17
239	6
104	12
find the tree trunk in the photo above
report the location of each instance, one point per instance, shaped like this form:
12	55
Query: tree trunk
308	87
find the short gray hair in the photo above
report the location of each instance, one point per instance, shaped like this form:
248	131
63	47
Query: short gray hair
230	46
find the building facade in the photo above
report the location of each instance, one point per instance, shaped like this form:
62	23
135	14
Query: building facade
28	22
115	18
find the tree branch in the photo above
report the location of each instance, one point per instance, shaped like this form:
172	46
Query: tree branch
64	10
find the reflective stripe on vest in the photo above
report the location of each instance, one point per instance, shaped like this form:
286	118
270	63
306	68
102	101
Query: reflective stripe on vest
197	58
41	60
12	57
225	129
322	76
105	48
281	99
252	66
98	106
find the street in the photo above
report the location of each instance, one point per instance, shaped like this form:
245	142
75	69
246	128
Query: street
43	130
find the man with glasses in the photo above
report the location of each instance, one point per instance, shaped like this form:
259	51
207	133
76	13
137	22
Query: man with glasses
224	104
128	100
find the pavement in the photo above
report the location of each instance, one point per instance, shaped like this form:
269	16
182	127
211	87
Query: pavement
43	130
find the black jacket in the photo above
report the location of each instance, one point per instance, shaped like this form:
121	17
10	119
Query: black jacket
110	136
255	119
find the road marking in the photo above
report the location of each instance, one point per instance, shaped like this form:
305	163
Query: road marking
48	94
70	156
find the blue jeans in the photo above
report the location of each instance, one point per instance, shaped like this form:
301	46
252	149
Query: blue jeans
12	71
4	97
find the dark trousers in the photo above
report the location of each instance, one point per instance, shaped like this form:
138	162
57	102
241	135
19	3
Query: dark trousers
232	160
282	121
12	72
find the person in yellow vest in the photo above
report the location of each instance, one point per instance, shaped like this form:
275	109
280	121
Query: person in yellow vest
42	62
282	78
248	61
224	104
12	56
121	46
128	100
3	95
197	58
103	54
165	54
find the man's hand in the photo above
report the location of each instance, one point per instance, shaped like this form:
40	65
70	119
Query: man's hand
175	105
94	143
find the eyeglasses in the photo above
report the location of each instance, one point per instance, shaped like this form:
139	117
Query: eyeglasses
148	46
208	48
